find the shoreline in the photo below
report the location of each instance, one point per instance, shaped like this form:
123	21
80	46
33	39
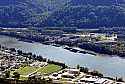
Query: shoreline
63	65
84	50
52	44
62	47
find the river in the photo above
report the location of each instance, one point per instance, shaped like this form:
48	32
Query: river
109	66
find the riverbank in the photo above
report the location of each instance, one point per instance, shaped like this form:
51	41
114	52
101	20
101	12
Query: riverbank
29	64
75	49
110	49
67	47
104	64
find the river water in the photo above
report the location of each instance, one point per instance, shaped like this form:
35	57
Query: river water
109	66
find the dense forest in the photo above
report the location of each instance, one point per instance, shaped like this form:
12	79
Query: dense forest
73	13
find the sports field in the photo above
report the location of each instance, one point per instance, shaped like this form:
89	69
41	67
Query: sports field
49	69
25	71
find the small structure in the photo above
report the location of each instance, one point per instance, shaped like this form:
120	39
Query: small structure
71	73
55	76
104	81
88	80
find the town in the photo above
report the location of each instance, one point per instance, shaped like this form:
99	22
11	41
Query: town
62	41
27	67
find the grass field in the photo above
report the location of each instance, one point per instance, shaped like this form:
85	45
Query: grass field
26	70
50	68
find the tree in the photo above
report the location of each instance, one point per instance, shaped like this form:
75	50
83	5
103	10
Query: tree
7	74
96	73
16	75
38	80
19	52
30	53
78	66
34	56
84	69
13	49
120	79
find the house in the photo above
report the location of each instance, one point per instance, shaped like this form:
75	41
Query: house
104	81
55	76
88	80
73	71
70	73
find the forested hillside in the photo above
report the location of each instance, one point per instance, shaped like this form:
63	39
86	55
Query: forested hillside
89	13
21	13
78	13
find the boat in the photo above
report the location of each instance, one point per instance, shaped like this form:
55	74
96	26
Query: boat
45	43
74	50
67	48
56	45
83	52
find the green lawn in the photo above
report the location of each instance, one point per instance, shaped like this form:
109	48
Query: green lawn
26	70
50	68
23	78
